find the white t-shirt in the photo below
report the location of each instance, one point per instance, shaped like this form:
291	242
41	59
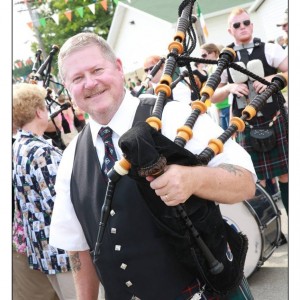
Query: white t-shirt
274	53
66	231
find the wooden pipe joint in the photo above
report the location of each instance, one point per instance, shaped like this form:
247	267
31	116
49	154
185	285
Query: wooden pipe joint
179	35
163	88
216	146
199	105
177	46
154	122
165	78
250	111
185	132
207	90
239	123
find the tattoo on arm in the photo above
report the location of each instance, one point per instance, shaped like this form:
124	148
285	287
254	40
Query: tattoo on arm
75	262
231	169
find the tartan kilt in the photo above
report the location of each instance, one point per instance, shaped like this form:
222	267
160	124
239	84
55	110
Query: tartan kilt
274	162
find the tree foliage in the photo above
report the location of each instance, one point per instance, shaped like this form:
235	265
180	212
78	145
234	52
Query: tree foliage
83	19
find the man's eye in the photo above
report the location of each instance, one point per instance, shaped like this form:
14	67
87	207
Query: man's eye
98	70
77	79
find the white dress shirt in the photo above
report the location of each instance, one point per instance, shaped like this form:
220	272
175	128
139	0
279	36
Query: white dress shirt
66	231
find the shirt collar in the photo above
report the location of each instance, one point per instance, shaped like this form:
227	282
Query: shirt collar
121	121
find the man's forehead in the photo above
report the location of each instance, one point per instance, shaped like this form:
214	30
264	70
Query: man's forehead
242	16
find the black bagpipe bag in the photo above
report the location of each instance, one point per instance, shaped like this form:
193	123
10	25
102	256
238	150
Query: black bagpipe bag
144	147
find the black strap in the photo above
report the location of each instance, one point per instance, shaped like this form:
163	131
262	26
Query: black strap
244	56
144	109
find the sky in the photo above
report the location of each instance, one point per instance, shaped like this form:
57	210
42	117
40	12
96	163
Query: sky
21	33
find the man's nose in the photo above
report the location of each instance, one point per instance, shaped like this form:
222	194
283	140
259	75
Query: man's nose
90	81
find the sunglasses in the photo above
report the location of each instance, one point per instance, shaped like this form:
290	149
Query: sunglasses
148	69
238	24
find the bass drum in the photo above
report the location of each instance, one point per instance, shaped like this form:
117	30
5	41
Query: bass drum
259	219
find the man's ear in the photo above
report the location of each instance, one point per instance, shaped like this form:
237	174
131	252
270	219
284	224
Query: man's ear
229	31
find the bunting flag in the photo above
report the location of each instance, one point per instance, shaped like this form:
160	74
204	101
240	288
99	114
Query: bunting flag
201	18
42	22
80	11
104	4
30	25
55	18
68	14
92	8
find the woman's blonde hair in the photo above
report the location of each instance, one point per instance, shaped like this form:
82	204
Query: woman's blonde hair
26	99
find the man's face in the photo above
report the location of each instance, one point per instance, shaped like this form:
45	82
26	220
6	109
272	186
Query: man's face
241	28
285	27
95	83
148	66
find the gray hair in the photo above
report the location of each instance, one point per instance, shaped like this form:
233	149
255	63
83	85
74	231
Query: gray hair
80	41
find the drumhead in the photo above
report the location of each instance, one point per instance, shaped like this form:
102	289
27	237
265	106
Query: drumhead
259	220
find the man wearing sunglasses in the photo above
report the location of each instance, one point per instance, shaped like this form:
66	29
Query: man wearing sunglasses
269	59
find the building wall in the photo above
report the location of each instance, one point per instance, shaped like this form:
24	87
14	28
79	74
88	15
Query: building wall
150	35
264	20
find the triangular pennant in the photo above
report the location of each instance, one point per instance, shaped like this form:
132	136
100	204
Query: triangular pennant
55	18
92	8
42	21
104	4
30	25
80	11
68	14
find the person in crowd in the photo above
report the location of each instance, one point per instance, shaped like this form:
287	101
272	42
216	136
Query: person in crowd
69	130
54	129
180	92
212	51
36	271
284	24
280	40
271	161
134	259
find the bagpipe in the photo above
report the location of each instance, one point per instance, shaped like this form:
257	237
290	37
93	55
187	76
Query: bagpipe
203	241
41	73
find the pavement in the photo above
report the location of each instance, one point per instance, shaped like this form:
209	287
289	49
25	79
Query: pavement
270	281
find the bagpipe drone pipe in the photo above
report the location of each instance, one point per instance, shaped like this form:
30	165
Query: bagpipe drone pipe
196	229
41	73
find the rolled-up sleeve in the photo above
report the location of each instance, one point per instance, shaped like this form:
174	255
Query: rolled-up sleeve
65	230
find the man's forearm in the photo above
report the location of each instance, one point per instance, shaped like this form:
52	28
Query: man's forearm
84	274
220	94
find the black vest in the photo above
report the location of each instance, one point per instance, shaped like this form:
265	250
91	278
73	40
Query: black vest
269	109
135	258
